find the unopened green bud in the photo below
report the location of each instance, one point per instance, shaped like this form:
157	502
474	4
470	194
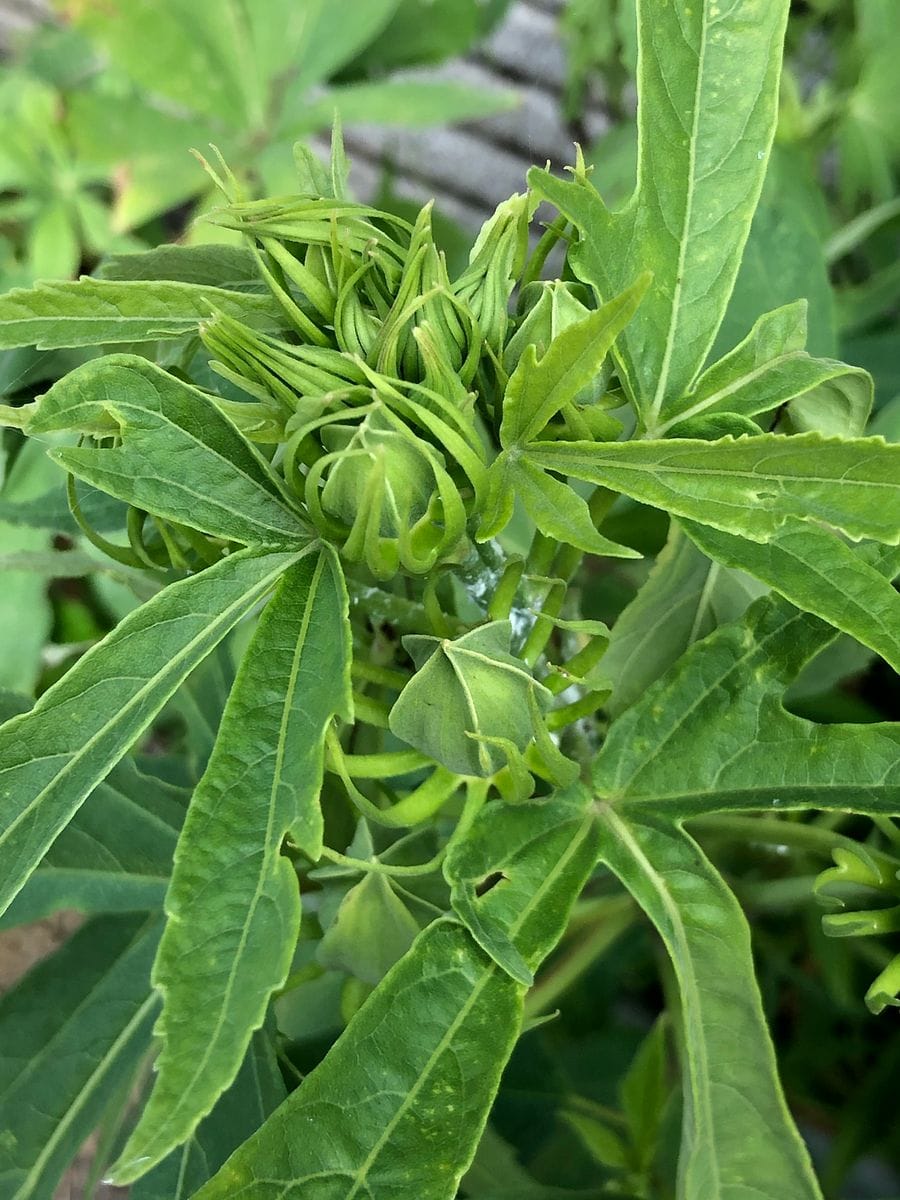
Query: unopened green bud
377	445
387	496
274	370
424	296
496	262
470	702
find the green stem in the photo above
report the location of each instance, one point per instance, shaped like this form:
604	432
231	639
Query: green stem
120	554
541	555
773	895
772	831
576	668
379	766
505	594
567	562
592	1108
886	826
373	712
542	630
374	867
600	503
372	673
551	235
568	714
432	605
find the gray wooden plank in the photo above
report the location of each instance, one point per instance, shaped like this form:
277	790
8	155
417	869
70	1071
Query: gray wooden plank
526	45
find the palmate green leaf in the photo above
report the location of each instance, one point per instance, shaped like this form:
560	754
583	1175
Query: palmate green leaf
152	142
63	564
372	930
719	709
201	701
53	757
234	902
434	1037
560	513
95	312
215	57
644	1092
407	40
867	139
51	510
73	1032
820	573
770	368
685	597
255	1094
21	639
738	1139
331	37
750	485
497	1174
538	389
178	456
708	85
784	260
115	855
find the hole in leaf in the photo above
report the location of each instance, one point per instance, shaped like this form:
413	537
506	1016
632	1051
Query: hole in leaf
489	881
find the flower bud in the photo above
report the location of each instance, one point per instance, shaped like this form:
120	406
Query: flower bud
386	495
496	261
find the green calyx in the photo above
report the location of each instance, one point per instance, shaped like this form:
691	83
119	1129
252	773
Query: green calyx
369	396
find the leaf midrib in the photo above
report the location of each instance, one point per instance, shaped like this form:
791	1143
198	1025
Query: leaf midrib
736	385
658	400
491	967
246	600
104	1064
58	292
698	1059
270	856
589	450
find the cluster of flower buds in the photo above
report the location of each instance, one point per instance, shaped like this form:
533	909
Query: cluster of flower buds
368	398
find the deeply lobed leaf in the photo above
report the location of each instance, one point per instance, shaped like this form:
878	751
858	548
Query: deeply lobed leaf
749	486
433	1036
73	1032
178	456
820	573
719	708
738	1139
708	85
233	905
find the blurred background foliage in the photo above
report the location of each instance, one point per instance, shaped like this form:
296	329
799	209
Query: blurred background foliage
98	110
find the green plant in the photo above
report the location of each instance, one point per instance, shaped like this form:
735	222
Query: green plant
98	116
425	760
95	134
827	224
